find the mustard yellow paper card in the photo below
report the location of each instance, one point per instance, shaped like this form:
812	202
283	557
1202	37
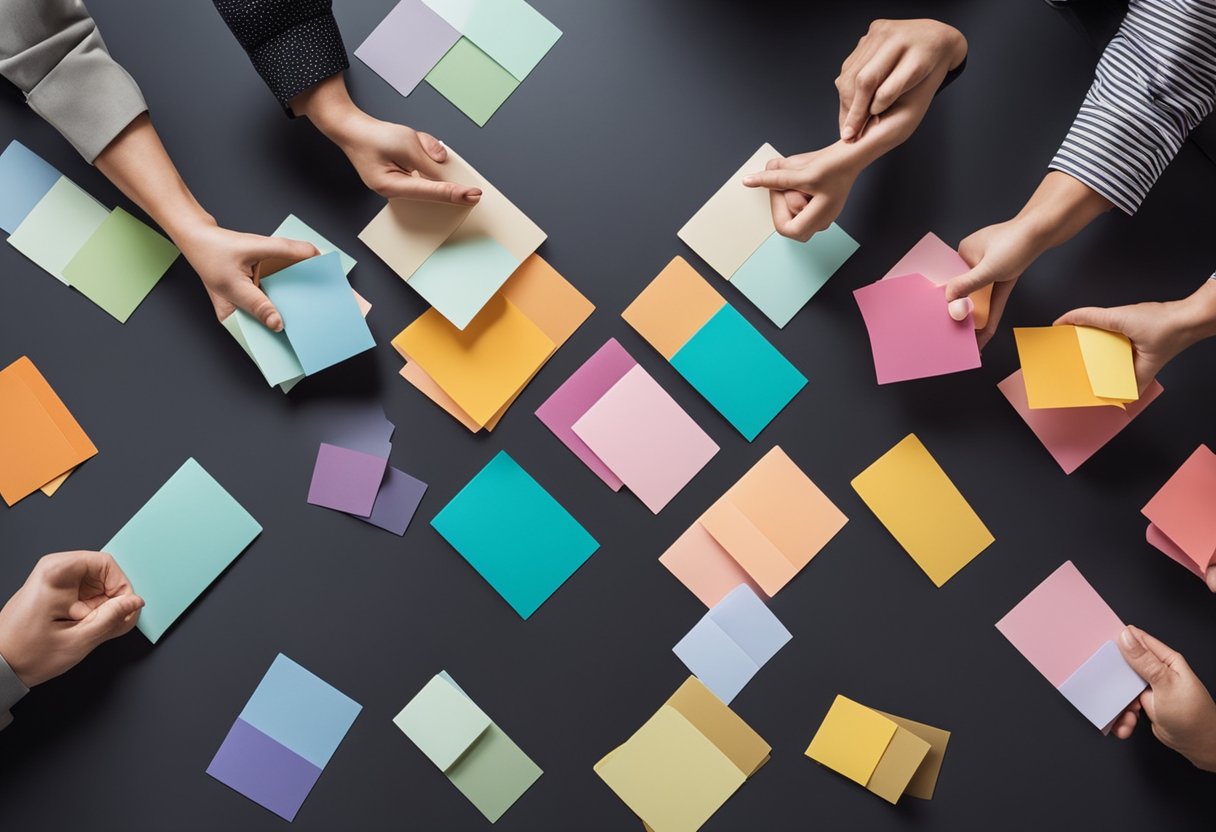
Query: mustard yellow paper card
1071	366
912	496
904	755
851	740
924	782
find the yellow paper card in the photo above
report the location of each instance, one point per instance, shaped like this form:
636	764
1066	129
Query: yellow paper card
904	755
1066	366
51	487
1108	363
924	781
673	307
746	749
851	740
911	495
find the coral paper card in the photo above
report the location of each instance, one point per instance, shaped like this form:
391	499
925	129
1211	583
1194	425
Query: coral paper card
1182	510
404	47
1073	434
346	480
701	563
24	180
673	308
937	261
576	396
1075	366
735	222
784	274
645	438
1102	687
851	740
912	496
911	332
511	32
39	439
56	228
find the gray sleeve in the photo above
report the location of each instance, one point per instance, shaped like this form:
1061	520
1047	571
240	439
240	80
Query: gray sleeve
11	691
52	50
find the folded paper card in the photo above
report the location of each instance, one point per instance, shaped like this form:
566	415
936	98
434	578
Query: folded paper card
513	532
179	543
511	32
465	744
1075	366
346	480
783	274
120	264
58	226
764	530
645	438
911	495
1073	434
1059	627
935	260
270	350
25	179
911	332
731	642
406	232
40	440
1182	523
404	47
284	738
685	762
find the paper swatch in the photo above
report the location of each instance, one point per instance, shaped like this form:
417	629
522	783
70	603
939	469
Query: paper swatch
404	47
346	480
1181	519
935	260
25	179
58	226
783	274
120	264
511	32
1075	366
466	271
473	81
396	502
294	228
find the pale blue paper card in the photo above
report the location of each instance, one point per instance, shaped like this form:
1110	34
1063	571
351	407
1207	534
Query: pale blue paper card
783	274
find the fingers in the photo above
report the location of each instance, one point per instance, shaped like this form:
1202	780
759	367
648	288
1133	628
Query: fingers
959	309
778	179
114	618
972	281
433	147
869	78
1211	578
1151	667
996	308
254	301
817	216
406	186
906	75
280	248
70	570
1124	724
1091	316
782	212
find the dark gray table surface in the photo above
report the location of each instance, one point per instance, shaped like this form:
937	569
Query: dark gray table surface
622	132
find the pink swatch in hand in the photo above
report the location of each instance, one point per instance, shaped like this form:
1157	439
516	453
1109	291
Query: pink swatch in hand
911	332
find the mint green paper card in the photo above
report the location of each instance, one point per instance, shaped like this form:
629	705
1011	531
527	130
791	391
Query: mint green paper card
462	275
738	371
511	32
119	265
512	531
442	721
471	80
58	226
293	228
270	350
179	543
783	274
494	773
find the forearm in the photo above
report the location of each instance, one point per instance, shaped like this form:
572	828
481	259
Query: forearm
1198	319
328	106
1057	211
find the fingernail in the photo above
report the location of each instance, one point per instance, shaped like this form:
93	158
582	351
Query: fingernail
1128	638
749	180
961	308
848	133
274	322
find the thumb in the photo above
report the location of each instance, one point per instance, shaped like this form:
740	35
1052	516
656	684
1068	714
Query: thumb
1093	316
970	282
281	248
1211	577
1144	661
254	301
114	618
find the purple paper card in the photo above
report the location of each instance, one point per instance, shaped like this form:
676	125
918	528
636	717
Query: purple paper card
407	44
397	501
1103	687
576	396
355	423
263	770
346	480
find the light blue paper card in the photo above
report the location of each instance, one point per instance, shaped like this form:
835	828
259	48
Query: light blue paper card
58	226
783	274
293	228
714	658
270	350
24	180
1104	686
462	275
750	624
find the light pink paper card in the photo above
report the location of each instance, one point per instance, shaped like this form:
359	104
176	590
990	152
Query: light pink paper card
1073	434
575	397
931	257
1060	624
645	438
911	332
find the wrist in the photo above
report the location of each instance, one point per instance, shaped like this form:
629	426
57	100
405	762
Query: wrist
1059	208
183	227
328	106
1198	313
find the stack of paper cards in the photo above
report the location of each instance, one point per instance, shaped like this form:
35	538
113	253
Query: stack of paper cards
474	52
933	259
179	543
630	427
465	744
475	374
1182	523
911	495
512	531
110	257
715	348
284	738
41	443
685	762
456	257
731	642
911	332
1075	366
1073	434
889	755
761	532
1068	633
734	234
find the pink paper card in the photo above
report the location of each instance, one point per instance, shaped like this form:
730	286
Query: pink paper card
932	258
1160	541
575	397
1060	624
1183	509
1073	434
645	438
911	332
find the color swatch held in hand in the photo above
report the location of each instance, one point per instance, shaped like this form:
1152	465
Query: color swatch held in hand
467	746
284	738
762	532
513	532
1182	523
178	543
1069	634
733	232
685	762
933	259
889	755
911	495
1075	366
715	348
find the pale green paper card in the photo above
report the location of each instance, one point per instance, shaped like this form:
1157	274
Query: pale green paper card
293	228
471	80
462	275
442	722
783	274
59	225
234	329
511	32
494	773
271	351
118	266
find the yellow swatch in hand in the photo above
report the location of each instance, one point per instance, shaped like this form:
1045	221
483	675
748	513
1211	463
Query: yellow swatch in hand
1075	366
912	496
851	740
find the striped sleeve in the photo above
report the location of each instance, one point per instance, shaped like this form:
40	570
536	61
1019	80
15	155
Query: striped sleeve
1155	82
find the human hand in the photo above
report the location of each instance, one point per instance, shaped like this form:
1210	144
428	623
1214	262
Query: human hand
71	603
997	255
1178	705
892	58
